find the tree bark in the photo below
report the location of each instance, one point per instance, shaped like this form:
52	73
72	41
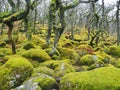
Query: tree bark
11	39
118	28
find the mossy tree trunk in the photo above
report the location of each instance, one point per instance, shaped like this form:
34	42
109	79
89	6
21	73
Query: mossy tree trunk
12	17
117	18
10	37
57	6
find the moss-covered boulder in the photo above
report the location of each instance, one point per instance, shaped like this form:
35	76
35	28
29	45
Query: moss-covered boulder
45	70
60	67
97	64
66	43
107	59
14	72
38	41
36	54
114	51
66	53
28	45
98	59
5	51
54	64
84	49
106	78
87	60
117	63
39	81
63	69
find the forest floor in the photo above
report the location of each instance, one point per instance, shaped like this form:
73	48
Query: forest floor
75	65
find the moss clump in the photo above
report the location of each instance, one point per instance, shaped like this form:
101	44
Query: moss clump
114	50
45	70
66	43
5	51
39	81
87	60
117	63
106	78
14	72
36	54
71	54
84	49
28	45
2	44
54	64
22	38
45	82
107	59
97	64
63	69
38	41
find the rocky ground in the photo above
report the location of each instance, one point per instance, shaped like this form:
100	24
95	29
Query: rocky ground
75	65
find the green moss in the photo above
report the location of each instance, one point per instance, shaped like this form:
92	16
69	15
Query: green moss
28	45
53	64
2	44
106	78
63	69
97	64
98	59
5	51
45	82
85	49
107	59
117	63
4	14
14	15
71	54
114	51
22	38
34	63
66	43
39	81
45	70
14	72
38	41
36	54
87	60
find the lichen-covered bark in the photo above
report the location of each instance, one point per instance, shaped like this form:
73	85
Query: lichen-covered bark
117	18
56	6
9	17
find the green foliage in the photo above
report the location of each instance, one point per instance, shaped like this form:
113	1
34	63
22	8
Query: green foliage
114	51
28	45
4	14
14	72
36	54
106	78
